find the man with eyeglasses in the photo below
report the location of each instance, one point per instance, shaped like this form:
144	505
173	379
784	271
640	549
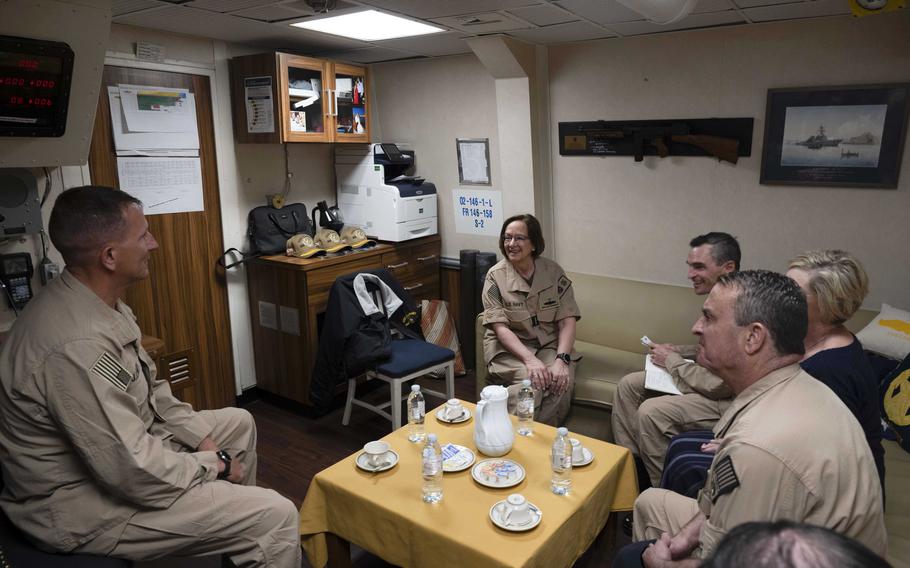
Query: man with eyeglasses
529	315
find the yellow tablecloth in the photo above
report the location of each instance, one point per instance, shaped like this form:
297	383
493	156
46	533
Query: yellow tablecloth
384	514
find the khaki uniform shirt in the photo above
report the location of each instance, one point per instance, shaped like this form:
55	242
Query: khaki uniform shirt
532	311
86	430
790	449
692	377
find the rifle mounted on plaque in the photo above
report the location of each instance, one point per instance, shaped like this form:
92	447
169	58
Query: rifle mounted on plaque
723	138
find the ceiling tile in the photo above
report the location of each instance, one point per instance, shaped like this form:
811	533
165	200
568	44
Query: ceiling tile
486	23
369	55
753	3
563	33
431	45
227	5
184	20
441	8
800	10
600	11
689	22
543	15
274	13
120	7
712	6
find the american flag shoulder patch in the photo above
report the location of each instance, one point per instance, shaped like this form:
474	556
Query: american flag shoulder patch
725	478
109	368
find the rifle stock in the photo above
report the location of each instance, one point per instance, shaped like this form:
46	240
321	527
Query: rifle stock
721	148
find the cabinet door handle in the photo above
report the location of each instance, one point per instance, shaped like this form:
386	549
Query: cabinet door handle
425	258
414	287
400	265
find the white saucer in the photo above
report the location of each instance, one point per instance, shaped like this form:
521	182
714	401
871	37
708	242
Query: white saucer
440	415
363	463
588	458
456	458
498	473
496	512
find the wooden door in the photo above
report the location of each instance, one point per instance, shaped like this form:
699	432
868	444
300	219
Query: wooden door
184	301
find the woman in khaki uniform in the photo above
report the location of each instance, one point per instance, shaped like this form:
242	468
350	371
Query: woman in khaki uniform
529	315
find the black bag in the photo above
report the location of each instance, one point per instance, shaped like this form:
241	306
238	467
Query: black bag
269	228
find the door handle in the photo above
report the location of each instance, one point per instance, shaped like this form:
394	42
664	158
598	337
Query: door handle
414	287
425	258
394	266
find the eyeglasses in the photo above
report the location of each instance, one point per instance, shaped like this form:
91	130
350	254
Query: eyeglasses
516	238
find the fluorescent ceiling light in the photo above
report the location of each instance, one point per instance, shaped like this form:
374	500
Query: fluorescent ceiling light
368	26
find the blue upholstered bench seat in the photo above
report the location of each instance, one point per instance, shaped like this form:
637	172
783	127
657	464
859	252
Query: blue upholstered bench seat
410	355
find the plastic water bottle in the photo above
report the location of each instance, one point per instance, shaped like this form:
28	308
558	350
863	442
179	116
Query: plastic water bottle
431	468
416	412
525	409
561	460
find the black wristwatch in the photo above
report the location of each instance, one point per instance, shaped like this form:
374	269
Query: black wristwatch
566	358
226	459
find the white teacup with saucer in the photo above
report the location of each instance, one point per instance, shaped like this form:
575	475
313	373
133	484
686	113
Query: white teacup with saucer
377	453
515	514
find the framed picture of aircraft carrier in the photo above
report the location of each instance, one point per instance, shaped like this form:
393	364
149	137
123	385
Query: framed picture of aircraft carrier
851	136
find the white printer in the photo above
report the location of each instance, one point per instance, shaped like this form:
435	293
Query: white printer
377	191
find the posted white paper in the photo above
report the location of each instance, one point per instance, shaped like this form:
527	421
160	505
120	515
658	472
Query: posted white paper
474	165
477	212
157	109
128	143
260	114
164	185
658	379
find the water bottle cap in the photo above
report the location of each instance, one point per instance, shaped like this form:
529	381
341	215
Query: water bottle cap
562	431
415	388
526	383
431	438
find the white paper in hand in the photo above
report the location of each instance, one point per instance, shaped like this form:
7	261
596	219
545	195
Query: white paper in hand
658	379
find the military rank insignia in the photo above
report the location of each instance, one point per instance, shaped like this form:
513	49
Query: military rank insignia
725	479
109	368
563	285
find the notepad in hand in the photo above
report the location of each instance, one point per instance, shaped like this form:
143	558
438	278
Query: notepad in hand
658	379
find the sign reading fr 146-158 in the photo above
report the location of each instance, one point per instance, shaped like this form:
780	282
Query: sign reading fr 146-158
477	211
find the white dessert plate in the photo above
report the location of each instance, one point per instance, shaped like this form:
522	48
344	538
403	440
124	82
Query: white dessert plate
363	462
456	458
497	510
498	473
465	416
588	458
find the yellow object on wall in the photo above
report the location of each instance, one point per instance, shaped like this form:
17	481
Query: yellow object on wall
869	7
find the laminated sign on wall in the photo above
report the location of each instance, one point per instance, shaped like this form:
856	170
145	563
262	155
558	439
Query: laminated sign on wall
478	211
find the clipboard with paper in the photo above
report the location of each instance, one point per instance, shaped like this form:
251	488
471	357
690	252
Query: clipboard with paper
658	379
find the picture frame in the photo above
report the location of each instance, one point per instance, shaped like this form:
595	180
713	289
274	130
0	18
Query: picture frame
849	136
473	161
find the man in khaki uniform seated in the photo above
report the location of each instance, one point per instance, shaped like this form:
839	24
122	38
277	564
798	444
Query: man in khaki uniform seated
98	456
788	447
645	422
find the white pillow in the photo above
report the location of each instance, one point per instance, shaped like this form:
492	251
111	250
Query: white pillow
888	334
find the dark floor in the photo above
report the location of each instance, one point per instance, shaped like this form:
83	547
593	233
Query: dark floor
293	448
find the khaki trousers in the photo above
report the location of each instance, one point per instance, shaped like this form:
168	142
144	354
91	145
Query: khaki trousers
549	408
644	421
252	525
659	511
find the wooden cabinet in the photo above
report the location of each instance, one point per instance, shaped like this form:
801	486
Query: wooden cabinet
308	99
288	298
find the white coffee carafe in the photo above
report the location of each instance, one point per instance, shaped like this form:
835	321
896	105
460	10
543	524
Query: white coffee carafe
493	431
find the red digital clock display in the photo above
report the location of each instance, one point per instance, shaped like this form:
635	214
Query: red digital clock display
34	86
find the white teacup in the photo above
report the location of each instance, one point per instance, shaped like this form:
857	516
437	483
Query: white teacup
516	510
377	452
453	409
578	451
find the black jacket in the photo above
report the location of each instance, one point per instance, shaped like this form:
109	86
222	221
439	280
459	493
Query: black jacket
352	342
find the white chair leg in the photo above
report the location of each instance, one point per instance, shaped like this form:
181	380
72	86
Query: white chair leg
349	403
450	379
396	404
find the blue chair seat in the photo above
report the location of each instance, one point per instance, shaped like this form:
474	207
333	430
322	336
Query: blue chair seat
411	355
